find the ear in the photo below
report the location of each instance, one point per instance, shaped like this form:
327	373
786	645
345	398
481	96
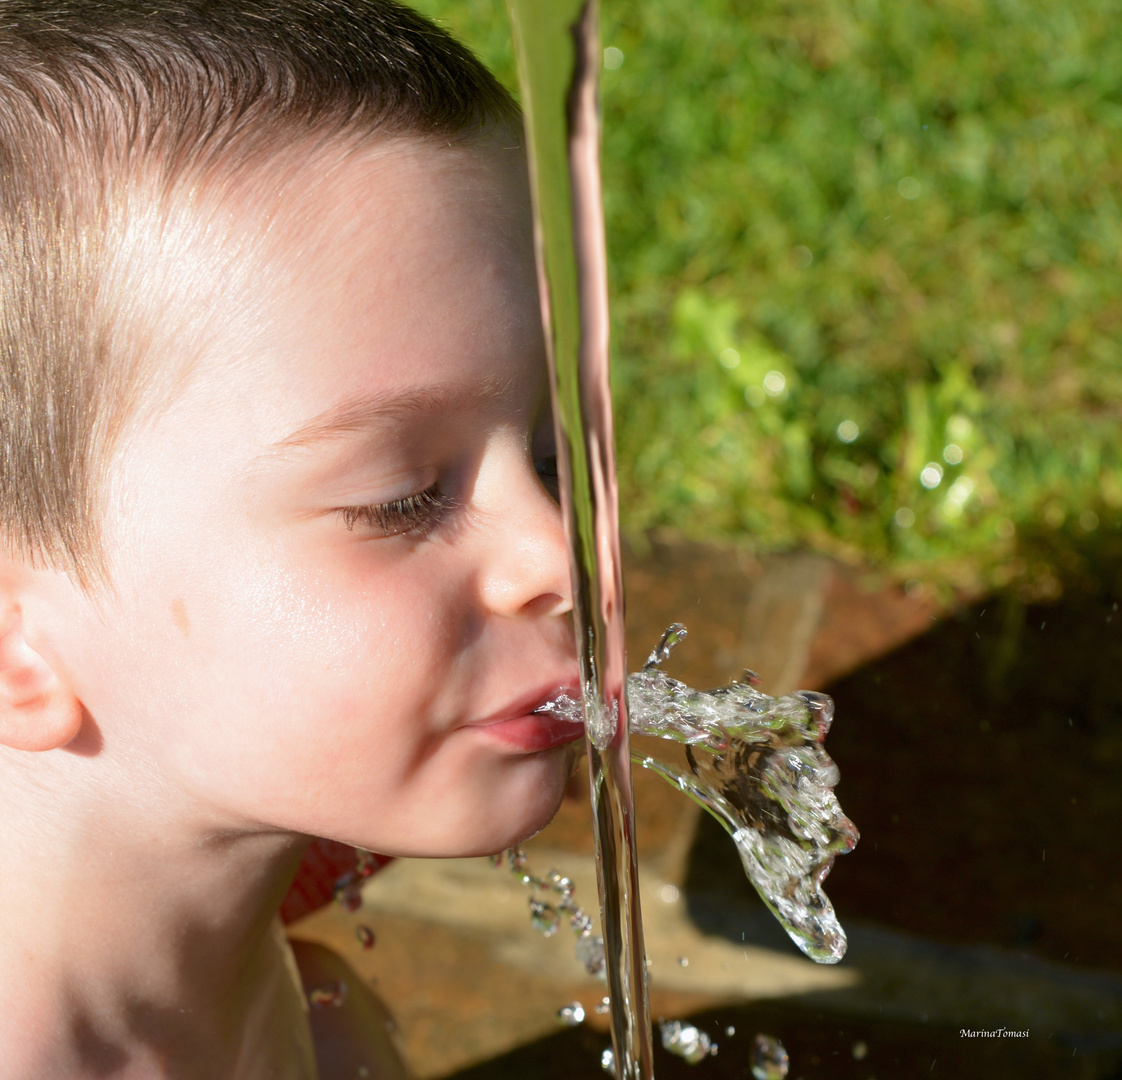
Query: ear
38	711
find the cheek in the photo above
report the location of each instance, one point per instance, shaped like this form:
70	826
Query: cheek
317	662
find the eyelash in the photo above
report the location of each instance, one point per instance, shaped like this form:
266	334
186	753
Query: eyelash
420	512
546	468
412	514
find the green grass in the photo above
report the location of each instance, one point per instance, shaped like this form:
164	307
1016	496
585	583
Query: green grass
904	218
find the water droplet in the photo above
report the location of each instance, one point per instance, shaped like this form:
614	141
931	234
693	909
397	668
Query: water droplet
860	1050
613	58
580	923
517	858
328	995
608	1062
959	427
544	918
909	187
558	882
671	636
348	893
685	1041
571	1015
603	1006
775	383
365	936
769	1059
590	952
367	864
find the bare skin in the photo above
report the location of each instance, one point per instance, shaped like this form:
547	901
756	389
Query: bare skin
325	619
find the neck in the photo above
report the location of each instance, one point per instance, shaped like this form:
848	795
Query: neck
136	941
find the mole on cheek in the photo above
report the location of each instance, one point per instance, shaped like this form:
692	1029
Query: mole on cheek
179	614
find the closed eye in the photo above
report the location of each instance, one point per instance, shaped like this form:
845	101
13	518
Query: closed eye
412	514
546	468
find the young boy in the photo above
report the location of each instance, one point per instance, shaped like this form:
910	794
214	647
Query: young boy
280	555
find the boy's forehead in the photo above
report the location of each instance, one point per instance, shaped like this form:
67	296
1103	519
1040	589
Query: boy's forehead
394	185
223	250
407	259
235	233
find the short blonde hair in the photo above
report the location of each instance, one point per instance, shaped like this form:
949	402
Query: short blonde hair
96	93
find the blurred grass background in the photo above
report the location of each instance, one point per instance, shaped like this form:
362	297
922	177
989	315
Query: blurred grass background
866	272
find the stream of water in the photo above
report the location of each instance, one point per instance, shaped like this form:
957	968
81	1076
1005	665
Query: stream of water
559	58
757	764
753	761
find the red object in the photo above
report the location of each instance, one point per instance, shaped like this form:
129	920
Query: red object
324	863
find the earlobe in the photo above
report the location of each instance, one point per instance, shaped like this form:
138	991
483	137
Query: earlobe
38	710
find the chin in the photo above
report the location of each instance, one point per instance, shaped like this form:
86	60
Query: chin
526	813
507	800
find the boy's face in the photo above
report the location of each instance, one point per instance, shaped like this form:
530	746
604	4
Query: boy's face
340	585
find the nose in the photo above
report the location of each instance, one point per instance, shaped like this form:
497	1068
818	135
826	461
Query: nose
525	568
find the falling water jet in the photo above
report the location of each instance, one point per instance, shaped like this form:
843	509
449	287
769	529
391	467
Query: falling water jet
558	47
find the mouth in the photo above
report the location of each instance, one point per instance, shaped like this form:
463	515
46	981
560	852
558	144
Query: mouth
541	721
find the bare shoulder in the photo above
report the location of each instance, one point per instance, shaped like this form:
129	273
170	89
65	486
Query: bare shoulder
351	1039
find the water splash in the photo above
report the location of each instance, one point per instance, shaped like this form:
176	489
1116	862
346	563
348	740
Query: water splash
590	952
769	1058
348	893
757	764
686	1041
571	1015
544	918
328	995
608	1063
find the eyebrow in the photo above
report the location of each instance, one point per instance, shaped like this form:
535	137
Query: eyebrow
363	413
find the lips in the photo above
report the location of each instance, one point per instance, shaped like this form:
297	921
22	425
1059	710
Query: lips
526	727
